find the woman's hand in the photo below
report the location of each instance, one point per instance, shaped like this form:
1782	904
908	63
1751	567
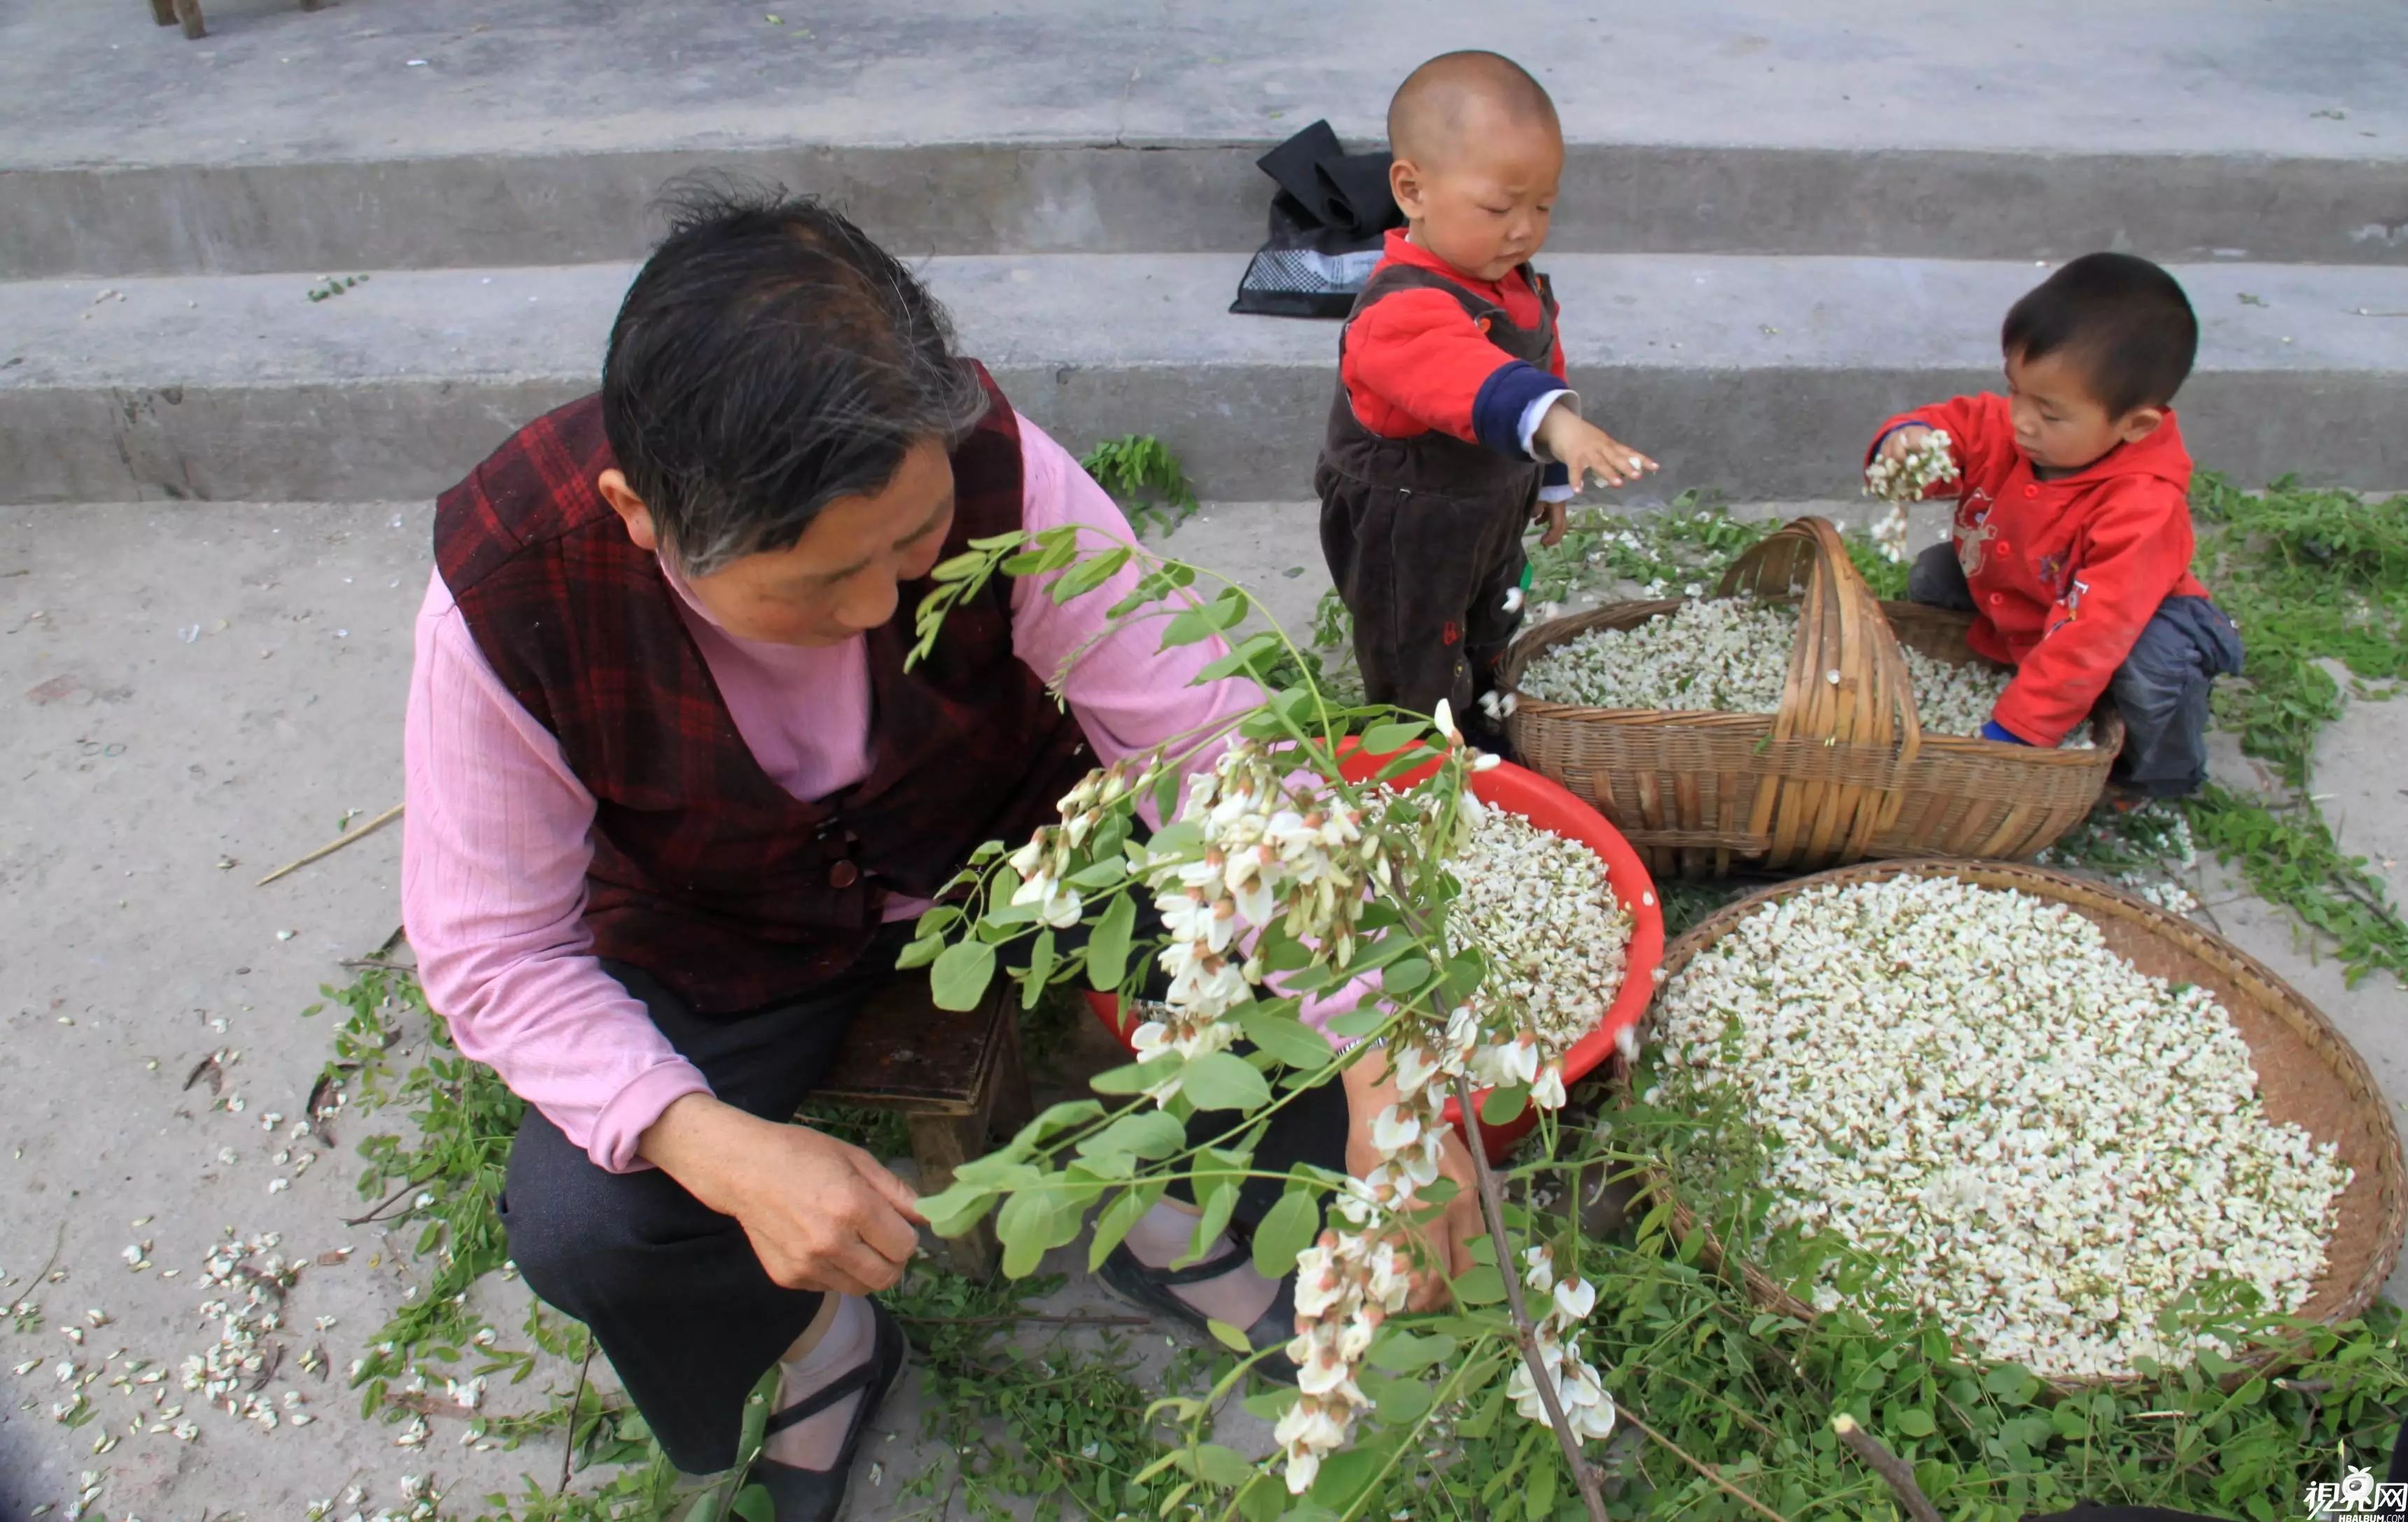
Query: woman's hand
1448	1238
821	1214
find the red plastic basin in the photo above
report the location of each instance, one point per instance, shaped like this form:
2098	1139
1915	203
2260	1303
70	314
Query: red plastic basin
1551	808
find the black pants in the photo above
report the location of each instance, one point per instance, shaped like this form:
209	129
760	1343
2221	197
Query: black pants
2161	688
670	1287
1426	574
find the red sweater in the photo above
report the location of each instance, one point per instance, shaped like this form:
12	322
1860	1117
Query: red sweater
1414	361
2065	573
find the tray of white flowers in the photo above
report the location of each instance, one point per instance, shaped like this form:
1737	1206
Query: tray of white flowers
1791	721
2080	1133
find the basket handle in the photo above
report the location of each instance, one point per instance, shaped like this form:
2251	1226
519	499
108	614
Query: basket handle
1847	685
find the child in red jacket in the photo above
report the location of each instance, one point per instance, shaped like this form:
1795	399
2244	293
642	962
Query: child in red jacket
1452	410
2073	538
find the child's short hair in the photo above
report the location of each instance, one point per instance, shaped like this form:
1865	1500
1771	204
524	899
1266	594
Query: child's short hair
2122	320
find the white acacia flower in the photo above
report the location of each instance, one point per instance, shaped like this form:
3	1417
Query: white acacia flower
1513	599
1395	1130
1058	902
1547	1090
1442	716
1539	1267
1574	1299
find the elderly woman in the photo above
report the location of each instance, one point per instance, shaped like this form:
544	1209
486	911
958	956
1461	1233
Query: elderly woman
674	799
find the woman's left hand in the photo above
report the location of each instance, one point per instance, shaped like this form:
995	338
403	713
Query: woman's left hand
1447	1238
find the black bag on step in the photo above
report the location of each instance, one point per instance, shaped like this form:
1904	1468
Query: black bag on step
1325	227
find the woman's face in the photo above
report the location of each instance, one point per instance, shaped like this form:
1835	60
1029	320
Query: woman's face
840	579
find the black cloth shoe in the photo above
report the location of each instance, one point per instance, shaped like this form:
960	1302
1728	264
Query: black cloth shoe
1149	1291
816	1495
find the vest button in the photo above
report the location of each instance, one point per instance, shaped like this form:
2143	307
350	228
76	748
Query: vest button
2030	490
844	874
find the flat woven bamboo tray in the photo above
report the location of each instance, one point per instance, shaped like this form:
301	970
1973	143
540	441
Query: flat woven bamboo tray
2308	1073
1841	771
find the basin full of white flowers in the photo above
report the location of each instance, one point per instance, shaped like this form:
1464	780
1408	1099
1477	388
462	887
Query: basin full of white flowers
1953	1071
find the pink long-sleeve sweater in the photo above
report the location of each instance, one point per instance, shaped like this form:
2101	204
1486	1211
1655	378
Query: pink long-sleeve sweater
495	841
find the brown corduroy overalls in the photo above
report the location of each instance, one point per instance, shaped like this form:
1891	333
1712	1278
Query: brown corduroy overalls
1423	534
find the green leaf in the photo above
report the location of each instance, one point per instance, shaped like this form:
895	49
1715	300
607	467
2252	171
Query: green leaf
935	920
1539	1499
959	979
1224	1081
1058	1117
1913	1422
1027	1228
1403	976
920	953
1504	1106
1141	1133
2012	1383
753	1505
1193	625
1257	648
1113	1225
1405	1401
1286	1229
1227	1336
1108	946
1136	1077
957	1208
1480	1285
1040	968
1393	736
1089	574
1358	1022
1402	1353
1217	1465
1273	1030
1218	1207
1345	1475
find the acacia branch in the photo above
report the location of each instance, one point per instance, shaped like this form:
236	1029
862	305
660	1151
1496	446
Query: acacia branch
1526	1331
1889	1466
1713	1474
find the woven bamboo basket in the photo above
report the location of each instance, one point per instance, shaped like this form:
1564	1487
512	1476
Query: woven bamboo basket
2308	1073
1841	771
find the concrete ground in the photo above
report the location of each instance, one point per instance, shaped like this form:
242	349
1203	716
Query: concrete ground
196	693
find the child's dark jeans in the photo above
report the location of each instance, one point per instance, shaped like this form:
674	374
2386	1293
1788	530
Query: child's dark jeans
2160	689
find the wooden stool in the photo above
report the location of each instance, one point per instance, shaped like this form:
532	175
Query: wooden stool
955	1075
168	12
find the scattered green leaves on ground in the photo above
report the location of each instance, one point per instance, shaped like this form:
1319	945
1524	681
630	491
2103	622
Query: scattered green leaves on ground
1145	477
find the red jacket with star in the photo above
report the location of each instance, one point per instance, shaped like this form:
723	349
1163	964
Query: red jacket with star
2065	573
1414	361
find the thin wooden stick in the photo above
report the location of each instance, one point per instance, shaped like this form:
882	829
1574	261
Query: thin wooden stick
1889	1466
419	1182
359	833
1712	1474
1525	1332
575	1401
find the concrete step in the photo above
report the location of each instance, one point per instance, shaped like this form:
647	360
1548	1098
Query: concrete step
500	132
1759	377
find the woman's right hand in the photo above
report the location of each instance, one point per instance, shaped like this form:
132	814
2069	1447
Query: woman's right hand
821	1213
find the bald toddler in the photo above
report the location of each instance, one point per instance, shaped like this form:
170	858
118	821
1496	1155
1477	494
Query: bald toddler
1453	427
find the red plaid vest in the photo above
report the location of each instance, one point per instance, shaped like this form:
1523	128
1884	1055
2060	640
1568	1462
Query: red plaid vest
705	873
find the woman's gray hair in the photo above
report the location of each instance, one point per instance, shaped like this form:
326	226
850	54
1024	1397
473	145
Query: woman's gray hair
769	359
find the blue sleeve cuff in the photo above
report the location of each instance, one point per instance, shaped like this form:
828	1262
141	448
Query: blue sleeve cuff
1557	474
1992	729
1496	411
